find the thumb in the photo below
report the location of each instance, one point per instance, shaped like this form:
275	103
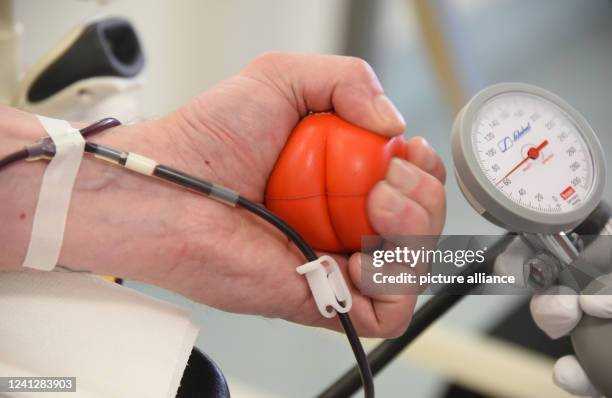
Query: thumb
557	312
320	83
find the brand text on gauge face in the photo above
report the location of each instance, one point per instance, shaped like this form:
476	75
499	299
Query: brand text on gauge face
506	143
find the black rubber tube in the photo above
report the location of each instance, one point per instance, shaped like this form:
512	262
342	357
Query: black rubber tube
90	130
363	373
433	309
13	157
388	350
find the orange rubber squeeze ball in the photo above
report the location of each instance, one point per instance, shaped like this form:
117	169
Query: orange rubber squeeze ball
322	178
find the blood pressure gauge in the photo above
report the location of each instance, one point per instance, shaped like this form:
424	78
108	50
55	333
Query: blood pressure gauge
526	160
529	162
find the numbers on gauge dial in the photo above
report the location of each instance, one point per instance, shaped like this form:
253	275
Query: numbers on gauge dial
532	152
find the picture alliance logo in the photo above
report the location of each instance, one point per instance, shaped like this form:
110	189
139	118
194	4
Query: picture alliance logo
422	255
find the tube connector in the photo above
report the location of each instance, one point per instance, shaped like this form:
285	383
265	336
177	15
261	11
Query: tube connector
42	149
327	285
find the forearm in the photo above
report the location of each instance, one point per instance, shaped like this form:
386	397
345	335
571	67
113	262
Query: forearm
17	185
98	226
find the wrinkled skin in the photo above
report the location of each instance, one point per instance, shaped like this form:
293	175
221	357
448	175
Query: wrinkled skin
131	226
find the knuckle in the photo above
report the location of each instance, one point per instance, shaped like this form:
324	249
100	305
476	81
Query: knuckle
267	59
269	56
414	221
376	195
377	190
360	66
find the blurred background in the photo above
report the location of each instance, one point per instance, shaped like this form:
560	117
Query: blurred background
430	56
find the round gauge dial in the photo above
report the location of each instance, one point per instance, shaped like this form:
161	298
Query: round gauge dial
527	160
533	152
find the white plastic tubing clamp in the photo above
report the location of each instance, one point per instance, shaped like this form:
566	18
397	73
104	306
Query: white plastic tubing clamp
328	286
55	193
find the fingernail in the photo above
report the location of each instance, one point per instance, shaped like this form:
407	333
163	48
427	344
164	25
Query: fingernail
391	199
387	111
402	175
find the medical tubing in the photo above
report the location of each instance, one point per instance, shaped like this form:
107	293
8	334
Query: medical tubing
99	126
13	157
362	369
348	384
206	188
385	352
438	305
88	131
209	189
226	196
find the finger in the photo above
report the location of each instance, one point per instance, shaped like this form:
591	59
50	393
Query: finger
422	155
392	214
319	83
569	375
407	202
556	314
597	305
362	271
379	315
600	304
422	187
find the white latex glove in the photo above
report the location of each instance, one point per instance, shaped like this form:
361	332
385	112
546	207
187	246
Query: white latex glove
558	314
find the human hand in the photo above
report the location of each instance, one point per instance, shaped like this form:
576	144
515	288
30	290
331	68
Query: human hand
557	315
232	135
559	309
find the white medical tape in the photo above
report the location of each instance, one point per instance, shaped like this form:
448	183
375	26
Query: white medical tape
55	193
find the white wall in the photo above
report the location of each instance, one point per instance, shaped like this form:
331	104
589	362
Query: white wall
192	44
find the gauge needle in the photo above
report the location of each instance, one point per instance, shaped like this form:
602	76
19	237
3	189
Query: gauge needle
533	153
